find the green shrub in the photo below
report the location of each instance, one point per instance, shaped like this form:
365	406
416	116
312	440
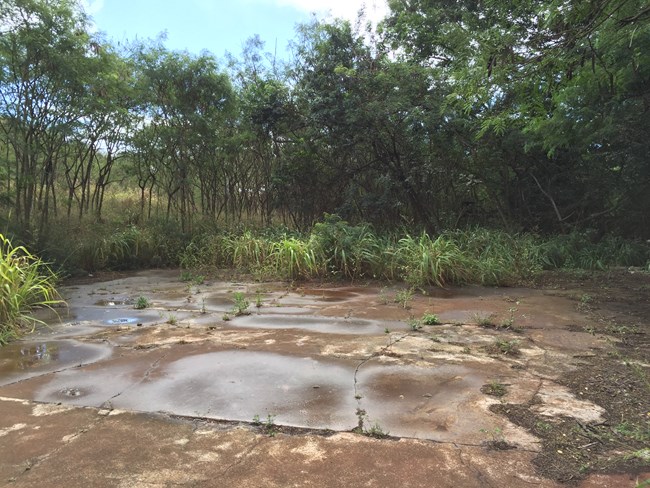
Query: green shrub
25	283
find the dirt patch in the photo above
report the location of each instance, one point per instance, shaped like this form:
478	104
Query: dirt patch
616	379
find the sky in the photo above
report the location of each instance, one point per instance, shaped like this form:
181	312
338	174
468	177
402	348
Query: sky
219	25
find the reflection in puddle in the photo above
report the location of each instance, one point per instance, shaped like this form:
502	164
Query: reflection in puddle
27	359
115	302
29	356
122	321
316	324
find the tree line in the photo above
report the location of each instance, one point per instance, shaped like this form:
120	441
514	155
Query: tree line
529	116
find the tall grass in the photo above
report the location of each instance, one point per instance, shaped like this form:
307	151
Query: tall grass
25	283
337	249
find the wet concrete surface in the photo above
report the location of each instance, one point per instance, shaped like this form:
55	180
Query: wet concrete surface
325	358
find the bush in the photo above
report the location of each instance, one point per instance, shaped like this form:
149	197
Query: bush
26	282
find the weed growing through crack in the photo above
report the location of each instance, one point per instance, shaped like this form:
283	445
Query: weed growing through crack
141	303
430	319
375	430
172	319
496	440
267	425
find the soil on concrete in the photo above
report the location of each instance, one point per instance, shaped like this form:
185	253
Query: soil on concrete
617	302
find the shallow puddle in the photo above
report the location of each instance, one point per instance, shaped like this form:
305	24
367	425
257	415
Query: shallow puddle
323	325
24	360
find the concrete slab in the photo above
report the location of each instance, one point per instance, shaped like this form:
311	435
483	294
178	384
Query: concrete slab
103	396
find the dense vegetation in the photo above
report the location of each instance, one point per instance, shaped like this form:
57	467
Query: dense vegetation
452	116
26	283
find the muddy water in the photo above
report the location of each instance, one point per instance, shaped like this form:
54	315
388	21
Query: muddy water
24	360
426	386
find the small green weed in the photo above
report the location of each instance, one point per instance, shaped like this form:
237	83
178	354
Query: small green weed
496	440
268	425
376	431
241	304
494	388
383	297
172	319
141	303
430	319
404	298
505	347
483	320
415	324
634	431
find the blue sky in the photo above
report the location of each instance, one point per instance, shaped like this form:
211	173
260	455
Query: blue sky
219	25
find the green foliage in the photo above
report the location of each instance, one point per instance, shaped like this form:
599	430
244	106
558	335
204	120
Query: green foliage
582	251
415	324
430	319
241	304
141	303
494	388
404	298
348	251
25	283
505	347
438	262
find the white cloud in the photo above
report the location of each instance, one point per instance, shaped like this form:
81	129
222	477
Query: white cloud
375	10
92	7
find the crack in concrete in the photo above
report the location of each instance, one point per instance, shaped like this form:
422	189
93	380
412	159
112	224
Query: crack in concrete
109	405
479	473
243	457
37	461
371	357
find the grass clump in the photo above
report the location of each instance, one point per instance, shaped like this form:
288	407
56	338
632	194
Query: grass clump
430	319
26	283
241	304
494	388
141	303
505	347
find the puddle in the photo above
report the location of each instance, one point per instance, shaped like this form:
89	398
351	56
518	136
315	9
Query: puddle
112	315
234	385
323	325
122	321
328	295
115	302
25	360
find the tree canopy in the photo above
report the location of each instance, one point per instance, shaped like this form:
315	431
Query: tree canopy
531	115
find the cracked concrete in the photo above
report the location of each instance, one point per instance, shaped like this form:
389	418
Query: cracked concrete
165	402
